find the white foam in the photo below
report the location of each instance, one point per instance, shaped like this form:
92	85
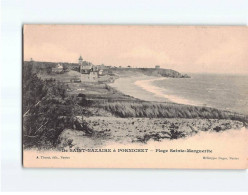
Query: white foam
160	92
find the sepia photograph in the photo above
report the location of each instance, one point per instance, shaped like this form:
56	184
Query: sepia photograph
124	96
135	96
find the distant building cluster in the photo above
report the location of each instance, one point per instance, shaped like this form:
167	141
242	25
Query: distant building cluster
89	72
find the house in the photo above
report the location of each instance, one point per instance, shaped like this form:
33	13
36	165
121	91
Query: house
89	72
157	67
100	72
58	69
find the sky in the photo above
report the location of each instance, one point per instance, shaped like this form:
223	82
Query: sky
199	49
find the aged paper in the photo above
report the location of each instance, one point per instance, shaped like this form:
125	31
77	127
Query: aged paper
121	96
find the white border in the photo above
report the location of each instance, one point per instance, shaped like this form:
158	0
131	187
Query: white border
17	12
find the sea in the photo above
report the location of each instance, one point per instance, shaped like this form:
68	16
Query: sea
222	91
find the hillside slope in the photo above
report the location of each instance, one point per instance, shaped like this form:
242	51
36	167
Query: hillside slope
148	72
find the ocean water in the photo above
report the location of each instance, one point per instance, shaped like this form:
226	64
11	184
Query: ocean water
228	92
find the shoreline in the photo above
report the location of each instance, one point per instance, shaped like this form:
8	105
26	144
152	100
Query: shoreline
157	91
142	88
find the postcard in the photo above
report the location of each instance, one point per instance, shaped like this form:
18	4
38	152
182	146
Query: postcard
135	96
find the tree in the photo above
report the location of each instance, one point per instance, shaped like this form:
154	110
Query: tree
47	110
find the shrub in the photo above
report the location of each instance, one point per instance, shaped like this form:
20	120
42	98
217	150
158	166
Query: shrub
47	110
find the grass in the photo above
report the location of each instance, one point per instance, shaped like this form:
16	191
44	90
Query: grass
125	106
127	109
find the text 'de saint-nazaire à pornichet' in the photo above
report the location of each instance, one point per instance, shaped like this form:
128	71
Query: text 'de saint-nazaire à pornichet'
139	150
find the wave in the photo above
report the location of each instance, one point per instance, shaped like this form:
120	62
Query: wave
160	92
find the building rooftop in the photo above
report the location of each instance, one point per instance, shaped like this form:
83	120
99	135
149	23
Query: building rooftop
86	67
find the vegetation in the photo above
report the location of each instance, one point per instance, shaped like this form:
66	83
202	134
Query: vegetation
167	110
46	67
149	72
50	106
47	110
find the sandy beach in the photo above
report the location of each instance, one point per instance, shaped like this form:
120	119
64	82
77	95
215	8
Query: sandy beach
128	86
133	110
142	87
142	130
